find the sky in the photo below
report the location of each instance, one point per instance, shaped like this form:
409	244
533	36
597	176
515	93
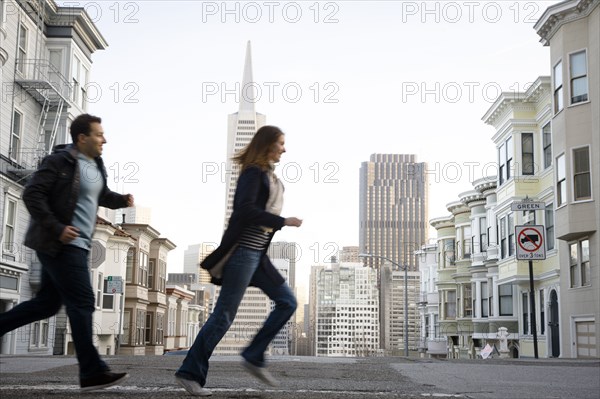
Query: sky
343	80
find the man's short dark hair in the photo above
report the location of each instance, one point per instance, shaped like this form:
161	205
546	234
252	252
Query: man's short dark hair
82	125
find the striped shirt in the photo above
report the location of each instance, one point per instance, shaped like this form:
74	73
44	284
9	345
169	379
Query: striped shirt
255	237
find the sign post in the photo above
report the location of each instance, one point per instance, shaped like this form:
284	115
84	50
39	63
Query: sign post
114	285
530	246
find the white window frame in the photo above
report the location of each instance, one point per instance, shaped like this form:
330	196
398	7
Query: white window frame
577	269
590	198
39	334
545	145
532	153
561	182
76	79
547	227
22	51
586	76
99	290
15	147
106	296
558	92
9	247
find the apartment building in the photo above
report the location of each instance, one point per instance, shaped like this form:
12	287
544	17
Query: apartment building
45	65
572	31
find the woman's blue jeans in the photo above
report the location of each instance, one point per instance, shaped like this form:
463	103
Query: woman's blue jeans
242	267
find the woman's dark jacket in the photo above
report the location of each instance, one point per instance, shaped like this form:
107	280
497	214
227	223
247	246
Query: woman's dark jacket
51	196
249	202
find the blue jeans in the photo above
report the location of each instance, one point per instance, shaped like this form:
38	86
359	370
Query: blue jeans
242	267
65	279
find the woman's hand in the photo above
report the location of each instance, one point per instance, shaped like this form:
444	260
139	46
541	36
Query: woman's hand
292	222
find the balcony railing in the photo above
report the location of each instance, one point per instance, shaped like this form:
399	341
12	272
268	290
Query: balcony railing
42	81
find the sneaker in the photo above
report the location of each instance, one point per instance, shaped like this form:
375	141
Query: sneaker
192	387
261	373
101	380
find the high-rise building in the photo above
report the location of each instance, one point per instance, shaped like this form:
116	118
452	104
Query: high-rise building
393	208
192	256
346	310
241	127
393	226
255	306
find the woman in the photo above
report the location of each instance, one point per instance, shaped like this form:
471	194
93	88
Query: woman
241	261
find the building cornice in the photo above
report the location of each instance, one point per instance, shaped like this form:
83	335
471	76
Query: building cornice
560	14
485	184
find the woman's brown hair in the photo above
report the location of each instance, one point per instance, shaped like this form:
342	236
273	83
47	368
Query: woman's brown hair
257	151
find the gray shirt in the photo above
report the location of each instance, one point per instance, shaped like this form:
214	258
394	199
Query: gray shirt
90	187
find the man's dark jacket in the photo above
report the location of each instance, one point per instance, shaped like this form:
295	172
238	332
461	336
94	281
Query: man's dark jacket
249	203
51	196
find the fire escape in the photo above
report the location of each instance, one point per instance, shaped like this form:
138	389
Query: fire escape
47	86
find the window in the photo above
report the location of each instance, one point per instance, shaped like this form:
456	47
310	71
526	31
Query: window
578	77
130	263
143	269
22	51
574	282
527	161
511	234
503	245
505	297
542	314
75	68
547	143
483	239
39	331
83	88
484	299
466	242
561	185
585	263
149	328
450	304
15	138
151	274
525	305
505	160
162	275
140	327
160	333
582	186
10	222
579	263
108	298
126	339
467	301
549	218
99	290
558	88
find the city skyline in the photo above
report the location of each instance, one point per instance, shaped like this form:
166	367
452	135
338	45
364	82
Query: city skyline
349	93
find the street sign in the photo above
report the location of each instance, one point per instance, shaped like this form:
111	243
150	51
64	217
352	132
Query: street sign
530	242
527	206
114	285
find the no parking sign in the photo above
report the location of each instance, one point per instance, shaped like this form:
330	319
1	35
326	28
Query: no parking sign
530	242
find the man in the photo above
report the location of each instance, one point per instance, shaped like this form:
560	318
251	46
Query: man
63	198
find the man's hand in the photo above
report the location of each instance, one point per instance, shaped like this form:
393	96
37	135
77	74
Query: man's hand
68	234
129	199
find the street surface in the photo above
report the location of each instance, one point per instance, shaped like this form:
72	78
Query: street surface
308	377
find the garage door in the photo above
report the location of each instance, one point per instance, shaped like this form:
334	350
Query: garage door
586	339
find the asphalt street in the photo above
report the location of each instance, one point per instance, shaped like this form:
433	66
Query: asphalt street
308	377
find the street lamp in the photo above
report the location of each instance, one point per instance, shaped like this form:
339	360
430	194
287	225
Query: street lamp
405	294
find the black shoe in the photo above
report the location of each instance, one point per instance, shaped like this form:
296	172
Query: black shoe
101	380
